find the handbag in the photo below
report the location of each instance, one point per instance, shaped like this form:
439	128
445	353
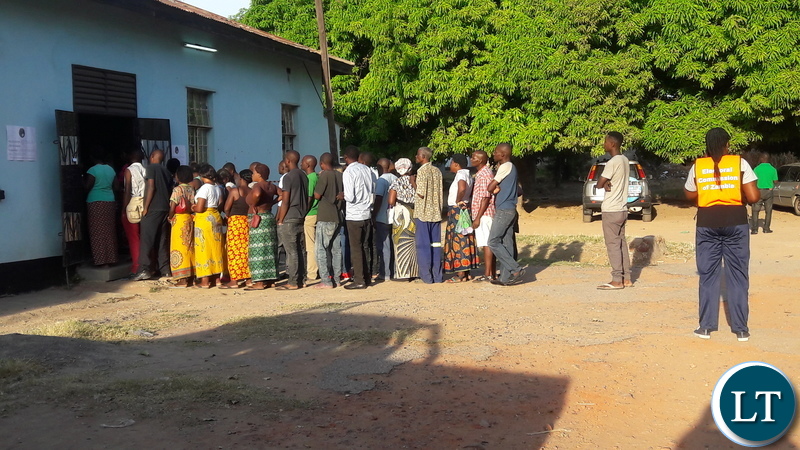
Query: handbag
255	221
183	206
134	209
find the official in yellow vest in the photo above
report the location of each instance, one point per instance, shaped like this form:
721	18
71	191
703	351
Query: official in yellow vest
722	184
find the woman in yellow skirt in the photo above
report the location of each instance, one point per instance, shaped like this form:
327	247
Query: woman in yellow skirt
236	209
181	244
209	258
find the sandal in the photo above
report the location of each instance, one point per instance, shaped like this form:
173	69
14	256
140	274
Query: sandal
481	278
287	287
455	279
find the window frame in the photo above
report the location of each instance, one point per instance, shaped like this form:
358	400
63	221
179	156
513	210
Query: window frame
198	105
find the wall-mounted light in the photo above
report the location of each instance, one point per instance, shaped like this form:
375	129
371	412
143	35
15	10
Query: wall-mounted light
200	47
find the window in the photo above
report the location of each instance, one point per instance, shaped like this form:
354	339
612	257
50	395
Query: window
288	113
199	121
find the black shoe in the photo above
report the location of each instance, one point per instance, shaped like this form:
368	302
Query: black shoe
767	230
516	277
753	231
499	283
743	336
703	333
356	286
143	275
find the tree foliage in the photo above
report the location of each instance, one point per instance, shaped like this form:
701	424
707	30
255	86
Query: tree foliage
459	75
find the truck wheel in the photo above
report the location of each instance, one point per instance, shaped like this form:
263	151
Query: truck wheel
796	205
587	216
647	214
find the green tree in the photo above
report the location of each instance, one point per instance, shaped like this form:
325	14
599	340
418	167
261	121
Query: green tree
554	75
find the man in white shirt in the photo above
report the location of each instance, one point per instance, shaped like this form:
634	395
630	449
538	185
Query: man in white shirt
614	180
358	181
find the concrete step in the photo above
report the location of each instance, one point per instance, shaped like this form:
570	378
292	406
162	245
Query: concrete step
90	272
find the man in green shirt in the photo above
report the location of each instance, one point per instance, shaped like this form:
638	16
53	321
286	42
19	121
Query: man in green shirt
309	166
767	176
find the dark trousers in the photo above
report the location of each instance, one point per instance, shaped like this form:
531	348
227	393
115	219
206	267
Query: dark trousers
428	238
502	242
713	246
292	236
358	234
766	203
154	239
383	244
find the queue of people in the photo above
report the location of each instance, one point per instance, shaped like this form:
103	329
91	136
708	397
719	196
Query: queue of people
370	222
364	223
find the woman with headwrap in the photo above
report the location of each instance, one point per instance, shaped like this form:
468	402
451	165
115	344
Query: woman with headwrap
401	200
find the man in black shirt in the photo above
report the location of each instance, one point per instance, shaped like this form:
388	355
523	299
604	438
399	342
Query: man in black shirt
154	228
291	216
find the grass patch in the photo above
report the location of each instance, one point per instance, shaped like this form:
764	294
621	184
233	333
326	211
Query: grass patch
147	398
286	329
682	250
109	331
316	307
15	370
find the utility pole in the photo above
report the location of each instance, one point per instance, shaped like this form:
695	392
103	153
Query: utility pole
326	79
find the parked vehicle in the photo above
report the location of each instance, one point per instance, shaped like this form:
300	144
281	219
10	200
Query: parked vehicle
787	189
640	201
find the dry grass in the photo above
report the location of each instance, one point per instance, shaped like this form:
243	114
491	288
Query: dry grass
24	383
286	328
110	331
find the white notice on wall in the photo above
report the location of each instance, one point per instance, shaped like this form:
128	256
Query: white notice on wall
179	152
21	143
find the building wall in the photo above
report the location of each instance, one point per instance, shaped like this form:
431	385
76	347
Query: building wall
40	40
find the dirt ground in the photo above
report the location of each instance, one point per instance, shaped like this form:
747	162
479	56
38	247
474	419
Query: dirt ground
551	363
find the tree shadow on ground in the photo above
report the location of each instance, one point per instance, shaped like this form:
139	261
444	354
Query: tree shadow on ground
367	380
538	258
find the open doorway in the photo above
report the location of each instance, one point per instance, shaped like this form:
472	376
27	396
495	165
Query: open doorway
113	136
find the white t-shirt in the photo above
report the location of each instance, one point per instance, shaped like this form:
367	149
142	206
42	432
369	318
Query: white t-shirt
452	195
137	179
749	176
211	193
617	170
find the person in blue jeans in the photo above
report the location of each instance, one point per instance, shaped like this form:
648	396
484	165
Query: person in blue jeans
328	241
501	235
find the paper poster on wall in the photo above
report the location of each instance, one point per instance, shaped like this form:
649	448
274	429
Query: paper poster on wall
21	143
179	152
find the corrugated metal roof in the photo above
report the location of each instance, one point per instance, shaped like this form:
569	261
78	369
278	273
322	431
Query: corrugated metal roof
177	11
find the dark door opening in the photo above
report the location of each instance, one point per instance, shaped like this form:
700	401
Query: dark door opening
112	136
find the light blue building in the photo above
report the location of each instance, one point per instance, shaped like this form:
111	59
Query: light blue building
117	74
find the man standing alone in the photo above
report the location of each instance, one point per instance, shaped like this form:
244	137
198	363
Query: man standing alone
154	228
767	176
357	181
428	218
614	180
501	235
291	215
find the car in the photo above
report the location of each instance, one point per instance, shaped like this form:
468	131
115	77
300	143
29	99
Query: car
640	200
787	188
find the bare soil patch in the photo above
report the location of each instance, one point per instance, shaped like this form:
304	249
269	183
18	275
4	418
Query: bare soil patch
550	363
